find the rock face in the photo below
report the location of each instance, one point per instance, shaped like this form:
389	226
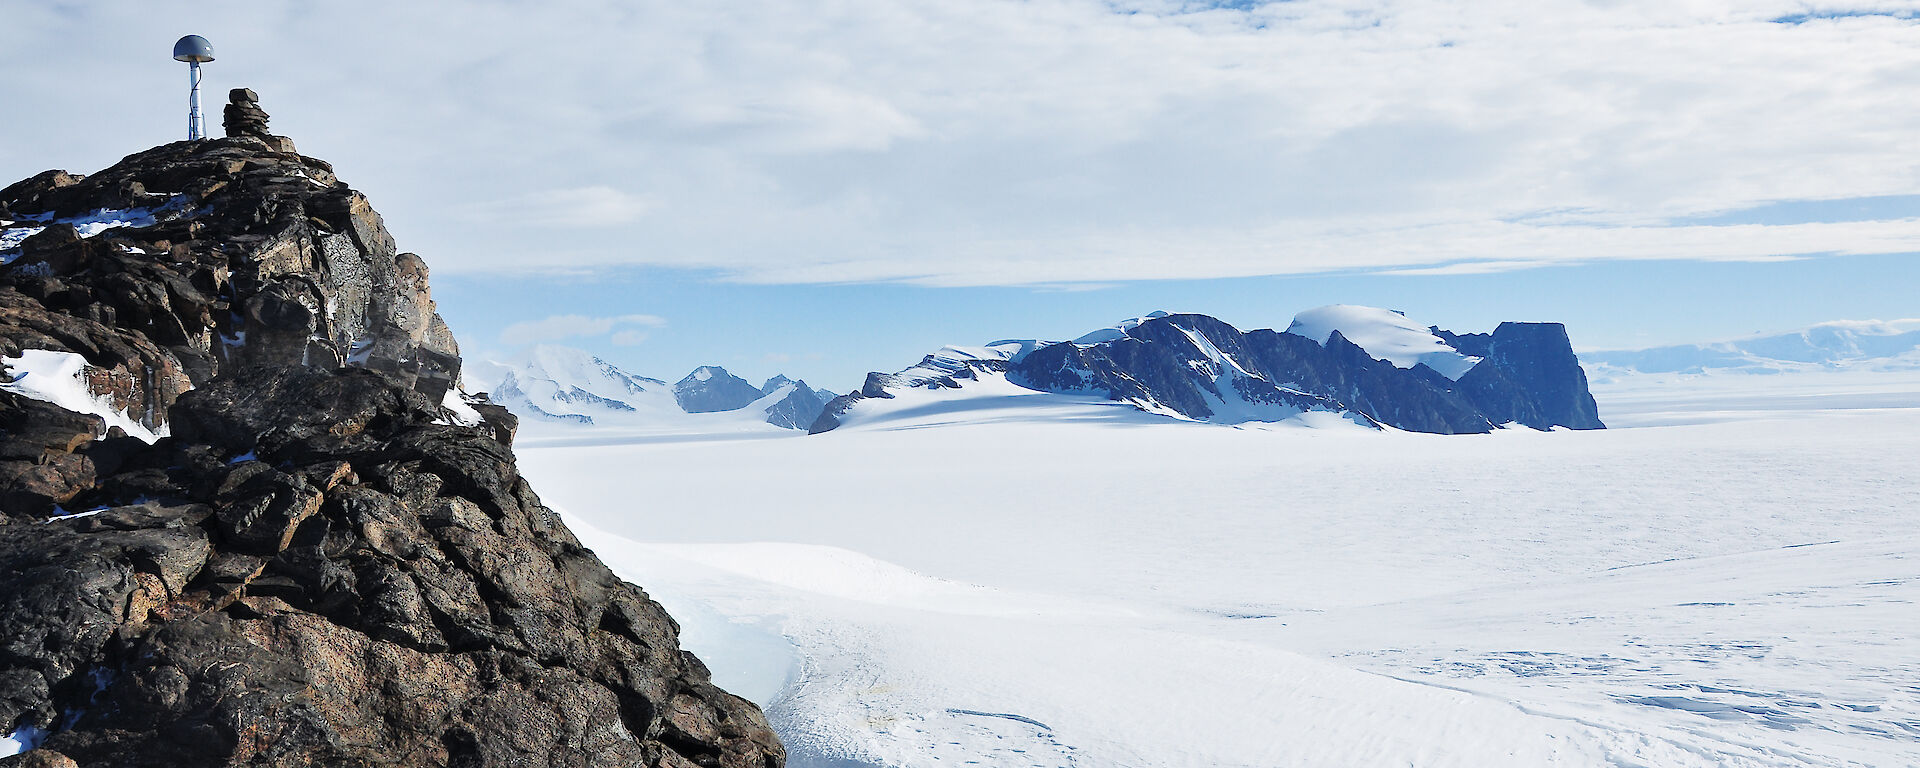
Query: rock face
320	565
799	407
710	388
1531	376
1204	369
197	257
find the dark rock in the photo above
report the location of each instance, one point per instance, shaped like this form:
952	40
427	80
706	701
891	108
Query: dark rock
1157	363
243	117
256	256
1194	364
38	758
1531	376
800	408
315	567
500	421
38	466
710	388
33	194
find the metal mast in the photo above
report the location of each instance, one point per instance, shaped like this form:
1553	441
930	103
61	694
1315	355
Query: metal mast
194	49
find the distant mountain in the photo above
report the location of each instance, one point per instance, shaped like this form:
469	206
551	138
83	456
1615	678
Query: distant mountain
564	385
709	389
550	383
1851	345
1373	366
794	404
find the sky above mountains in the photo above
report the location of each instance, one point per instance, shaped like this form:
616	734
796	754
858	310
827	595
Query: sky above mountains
824	188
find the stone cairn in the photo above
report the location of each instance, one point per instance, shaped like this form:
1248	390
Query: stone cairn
244	118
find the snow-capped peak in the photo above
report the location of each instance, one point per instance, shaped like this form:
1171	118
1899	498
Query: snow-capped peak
577	368
1385	334
545	383
1118	330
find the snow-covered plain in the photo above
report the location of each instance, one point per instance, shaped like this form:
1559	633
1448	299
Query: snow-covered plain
974	577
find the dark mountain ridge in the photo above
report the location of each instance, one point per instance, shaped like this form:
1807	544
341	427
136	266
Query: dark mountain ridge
1196	366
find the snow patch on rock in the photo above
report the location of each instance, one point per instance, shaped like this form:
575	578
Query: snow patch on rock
1386	335
60	378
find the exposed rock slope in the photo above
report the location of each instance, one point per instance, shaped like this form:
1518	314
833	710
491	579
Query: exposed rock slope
321	565
710	389
794	404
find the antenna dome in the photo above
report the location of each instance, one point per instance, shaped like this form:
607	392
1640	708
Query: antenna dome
193	48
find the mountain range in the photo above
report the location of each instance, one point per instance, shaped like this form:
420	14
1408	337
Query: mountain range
1368	366
546	383
1872	345
1373	367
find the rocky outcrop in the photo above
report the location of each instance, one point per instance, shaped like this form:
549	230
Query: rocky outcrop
1158	362
197	257
320	565
1530	376
1203	369
243	117
799	408
710	389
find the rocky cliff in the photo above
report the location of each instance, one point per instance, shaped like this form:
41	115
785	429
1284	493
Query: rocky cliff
326	557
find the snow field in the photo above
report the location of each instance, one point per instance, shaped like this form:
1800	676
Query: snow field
1042	581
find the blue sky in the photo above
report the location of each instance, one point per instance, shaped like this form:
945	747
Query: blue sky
827	188
832	335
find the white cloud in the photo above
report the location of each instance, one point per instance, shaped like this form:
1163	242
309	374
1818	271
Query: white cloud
594	206
1038	142
557	327
627	338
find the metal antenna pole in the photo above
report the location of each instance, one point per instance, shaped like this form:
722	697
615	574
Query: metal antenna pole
196	126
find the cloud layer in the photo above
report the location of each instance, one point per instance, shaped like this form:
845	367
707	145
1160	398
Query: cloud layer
626	330
1055	142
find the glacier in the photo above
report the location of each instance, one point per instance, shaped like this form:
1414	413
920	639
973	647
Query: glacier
977	576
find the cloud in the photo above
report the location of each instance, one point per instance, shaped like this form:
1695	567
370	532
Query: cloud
557	327
594	206
627	338
1041	142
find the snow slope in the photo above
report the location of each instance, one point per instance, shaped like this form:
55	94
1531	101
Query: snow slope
986	397
1385	334
1000	584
